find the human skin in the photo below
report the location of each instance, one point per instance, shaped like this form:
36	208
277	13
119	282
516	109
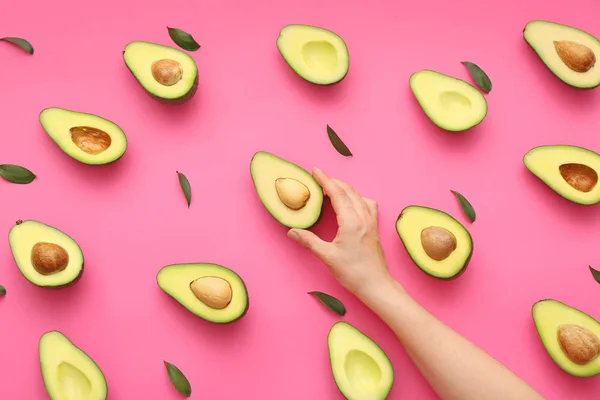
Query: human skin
455	368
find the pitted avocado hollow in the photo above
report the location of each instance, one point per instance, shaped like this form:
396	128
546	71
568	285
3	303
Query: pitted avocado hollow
90	140
579	344
49	258
576	56
438	242
294	194
579	176
167	72
213	291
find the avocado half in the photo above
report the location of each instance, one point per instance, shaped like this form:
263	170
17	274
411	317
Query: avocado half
68	372
450	103
289	192
571	171
318	55
209	291
45	256
166	73
570	336
361	369
568	52
87	138
436	242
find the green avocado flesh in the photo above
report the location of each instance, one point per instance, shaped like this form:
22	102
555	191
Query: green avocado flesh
69	373
87	138
166	73
45	256
436	242
550	316
450	103
570	171
546	39
278	181
361	369
316	54
177	281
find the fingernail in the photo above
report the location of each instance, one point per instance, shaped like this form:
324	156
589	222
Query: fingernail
292	234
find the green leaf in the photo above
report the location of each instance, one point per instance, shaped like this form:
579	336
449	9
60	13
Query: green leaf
16	174
480	77
466	206
2	290
185	187
178	379
22	43
337	142
183	39
330	302
595	274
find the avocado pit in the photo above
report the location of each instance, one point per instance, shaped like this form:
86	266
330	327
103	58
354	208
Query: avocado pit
213	291
49	258
579	176
438	242
579	344
90	140
576	56
292	193
167	72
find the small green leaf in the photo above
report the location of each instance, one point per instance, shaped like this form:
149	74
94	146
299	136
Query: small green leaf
178	379
595	274
337	143
185	187
183	39
466	206
16	174
330	302
2	290
22	43
480	77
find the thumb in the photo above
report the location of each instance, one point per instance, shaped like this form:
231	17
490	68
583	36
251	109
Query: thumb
309	240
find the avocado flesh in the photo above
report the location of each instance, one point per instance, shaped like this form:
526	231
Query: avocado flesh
361	369
60	125
69	373
23	237
548	316
450	103
315	54
545	162
175	280
265	169
411	223
541	35
140	55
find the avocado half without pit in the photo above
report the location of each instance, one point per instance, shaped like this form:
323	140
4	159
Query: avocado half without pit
570	171
45	256
318	55
87	138
166	73
450	103
210	291
288	192
436	242
568	52
570	336
69	373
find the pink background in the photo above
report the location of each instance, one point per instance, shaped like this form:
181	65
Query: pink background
130	218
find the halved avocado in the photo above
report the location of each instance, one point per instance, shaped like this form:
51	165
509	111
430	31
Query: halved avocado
87	138
570	171
290	193
436	242
210	291
166	73
570	336
361	369
318	55
68	372
451	103
568	52
45	256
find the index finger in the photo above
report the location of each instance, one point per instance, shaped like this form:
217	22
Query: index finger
342	205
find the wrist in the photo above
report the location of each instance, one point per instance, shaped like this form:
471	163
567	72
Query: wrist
370	292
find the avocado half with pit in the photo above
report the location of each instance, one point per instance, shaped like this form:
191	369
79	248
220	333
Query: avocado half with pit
571	171
361	369
288	192
570	336
68	372
316	54
46	256
451	103
568	52
166	73
210	291
435	241
87	138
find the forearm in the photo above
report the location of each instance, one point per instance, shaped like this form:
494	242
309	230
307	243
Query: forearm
453	366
